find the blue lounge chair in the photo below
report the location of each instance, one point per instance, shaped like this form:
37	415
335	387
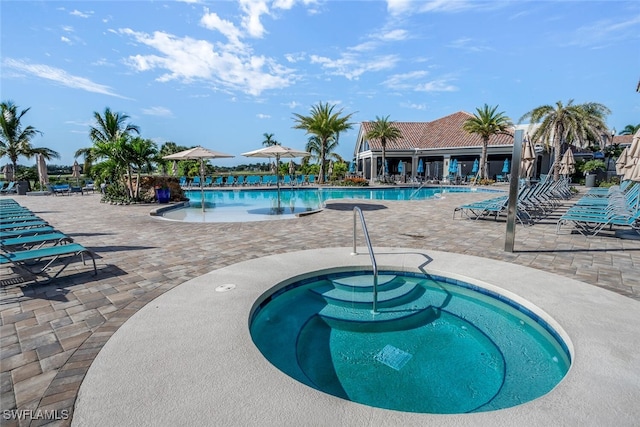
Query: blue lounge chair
311	179
6	234
34	241
240	180
183	181
253	180
218	181
230	180
21	224
10	188
31	261
208	181
195	182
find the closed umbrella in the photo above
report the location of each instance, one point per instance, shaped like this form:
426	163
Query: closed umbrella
352	167
43	176
631	170
528	159
506	166
198	153
75	172
277	152
475	167
622	161
420	168
401	168
7	170
568	163
292	167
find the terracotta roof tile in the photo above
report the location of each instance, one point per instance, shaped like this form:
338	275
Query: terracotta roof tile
445	132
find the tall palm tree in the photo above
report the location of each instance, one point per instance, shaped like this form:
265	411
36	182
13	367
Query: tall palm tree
327	125
15	141
485	123
268	140
385	131
567	123
314	146
630	129
111	126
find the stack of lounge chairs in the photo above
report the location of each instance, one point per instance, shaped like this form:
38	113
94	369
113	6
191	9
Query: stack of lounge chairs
601	208
32	248
533	203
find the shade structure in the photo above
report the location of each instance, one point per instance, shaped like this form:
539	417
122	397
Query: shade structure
506	166
568	163
198	153
43	176
7	170
622	161
277	152
476	166
632	168
75	172
528	158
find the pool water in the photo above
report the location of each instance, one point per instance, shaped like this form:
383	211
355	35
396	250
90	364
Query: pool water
259	204
437	345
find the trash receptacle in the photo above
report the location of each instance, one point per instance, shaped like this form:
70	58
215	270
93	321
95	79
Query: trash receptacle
22	187
590	180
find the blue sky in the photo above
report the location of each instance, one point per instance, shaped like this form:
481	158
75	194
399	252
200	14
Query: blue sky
222	73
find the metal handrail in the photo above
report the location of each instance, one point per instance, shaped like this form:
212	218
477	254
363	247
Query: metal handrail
416	191
374	264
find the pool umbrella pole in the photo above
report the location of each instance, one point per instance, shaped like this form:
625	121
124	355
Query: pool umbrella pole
198	153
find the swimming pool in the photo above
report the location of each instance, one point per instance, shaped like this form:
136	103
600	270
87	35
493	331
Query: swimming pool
241	205
437	345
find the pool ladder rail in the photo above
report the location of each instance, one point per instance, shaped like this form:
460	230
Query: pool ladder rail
358	212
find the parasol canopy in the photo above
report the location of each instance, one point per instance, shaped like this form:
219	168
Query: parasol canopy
277	152
198	153
528	159
632	166
7	170
75	172
568	163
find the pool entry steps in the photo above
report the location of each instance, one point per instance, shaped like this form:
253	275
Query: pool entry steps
374	264
400	303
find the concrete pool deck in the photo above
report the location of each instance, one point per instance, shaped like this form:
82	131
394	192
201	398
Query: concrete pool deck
50	334
198	338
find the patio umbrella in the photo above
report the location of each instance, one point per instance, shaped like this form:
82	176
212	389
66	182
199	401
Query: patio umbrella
631	170
277	152
352	167
506	166
198	153
43	176
292	167
475	167
568	163
528	159
174	168
420	168
7	170
401	168
75	172
622	161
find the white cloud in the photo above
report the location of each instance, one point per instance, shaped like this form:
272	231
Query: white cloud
605	32
157	111
79	14
293	104
65	40
468	44
413	106
263	116
187	59
60	76
253	10
353	66
405	80
212	21
440	85
394	35
406	7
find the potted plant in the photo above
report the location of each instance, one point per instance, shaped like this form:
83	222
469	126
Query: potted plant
589	169
163	194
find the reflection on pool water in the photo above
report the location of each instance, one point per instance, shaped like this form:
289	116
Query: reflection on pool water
241	205
437	345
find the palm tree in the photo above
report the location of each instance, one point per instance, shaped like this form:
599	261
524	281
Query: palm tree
326	125
564	123
141	152
268	140
314	146
385	131
630	129
16	141
485	123
111	127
